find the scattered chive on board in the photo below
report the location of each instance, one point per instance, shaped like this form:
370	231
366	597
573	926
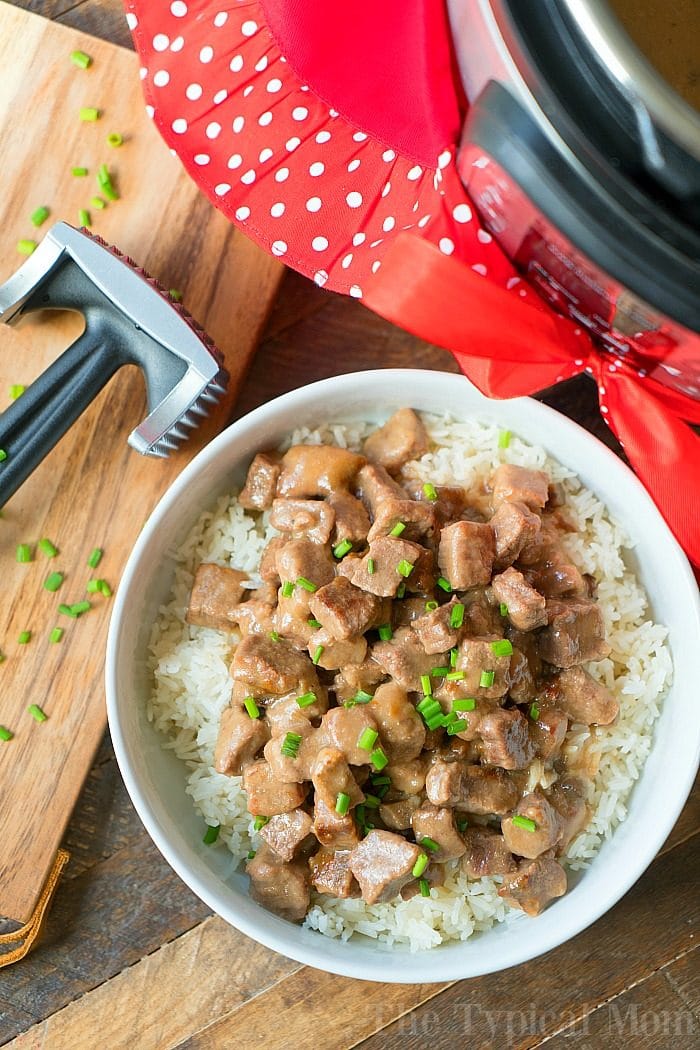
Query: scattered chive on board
84	217
5	733
39	215
37	714
78	608
47	547
26	246
95	557
56	634
67	610
79	172
98	203
24	637
80	59
176	295
53	581
3	455
211	834
16	390
89	114
114	139
104	181
24	553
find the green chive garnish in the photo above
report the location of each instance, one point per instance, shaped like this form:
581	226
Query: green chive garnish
104	181
420	865
367	739
430	491
360	697
79	173
95	558
290	745
404	568
398	528
79	58
371	566
449	719
534	710
93	586
457	615
24	553
318	653
503	609
251	707
67	610
53	581
287	589
39	215
428	707
306	699
47	547
456	727
429	843
78	608
380	781
105	589
504	647
25	246
401	590
342	803
306	584
431	606
251	854
424	888
313	623
114	139
445	584
175	295
260	822
84	217
98	203
454	676
426	684
467	704
524	822
5	733
439	672
16	390
274	635
504	438
462	824
385	632
378	758
342	548
36	713
372	802
454	657
211	834
56	634
24	637
487	679
89	114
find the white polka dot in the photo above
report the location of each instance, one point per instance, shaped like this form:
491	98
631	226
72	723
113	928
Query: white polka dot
355	291
389	224
234	161
480	269
437	179
319	244
222	188
142	73
201	159
213	130
206	54
265	154
358	238
484	236
160	42
220	97
261	64
248	28
264	119
178	8
424	221
304	87
353	165
172	152
387	189
292	144
131	21
522	293
161	77
300	113
177	44
359	136
354	199
179	125
282	175
236	64
320	278
604	409
333	113
512	282
274	85
248	177
444	159
313	204
221	19
346	260
193	92
415	173
446	245
375	265
277	209
316	169
238	123
462	213
279	247
323	136
242	213
373	244
388	155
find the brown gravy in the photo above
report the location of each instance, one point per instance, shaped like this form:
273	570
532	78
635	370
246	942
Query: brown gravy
668	34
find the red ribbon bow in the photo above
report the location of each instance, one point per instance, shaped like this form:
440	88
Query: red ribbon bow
509	348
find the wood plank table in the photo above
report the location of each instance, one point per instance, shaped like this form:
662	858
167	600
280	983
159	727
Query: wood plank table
131	958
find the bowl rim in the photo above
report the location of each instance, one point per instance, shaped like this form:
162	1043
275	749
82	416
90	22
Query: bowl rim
277	934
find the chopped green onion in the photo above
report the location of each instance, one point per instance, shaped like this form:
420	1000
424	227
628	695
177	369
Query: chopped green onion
290	745
431	606
5	733
25	246
260	822
98	203
53	581
89	114
2	658
398	528
420	865
401	590
503	647
361	697
434	723
306	584
448	719
342	803
367	738
457	615
361	817
56	634
487	679
429	843
462	824
424	887
404	568
318	653
251	854
24	637
503	609
430	491
342	548
371	566
524	822
439	672
175	295
104	181
504	438
95	558
24	553
274	635
534	710
79	58
3	455
428	707
46	547
454	657
456	727
454	676
114	139
37	714
84	218
385	632
313	623
378	758
67	610
93	586
426	685
372	801
380	781
105	589
306	699
445	584
251	707
79	173
78	608
16	390
467	704
211	834
39	215
287	589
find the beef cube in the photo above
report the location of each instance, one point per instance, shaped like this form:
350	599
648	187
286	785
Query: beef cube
404	658
522	685
383	863
344	726
434	629
547	732
465	555
534	885
254	617
567	797
291	617
331	874
400	726
479	662
374	485
505	739
397	815
332	830
284	888
418	518
304	517
403	437
297	769
514	526
553	573
519	485
449	505
470	788
343	609
526	606
404	611
285	716
271	668
351	518
266	794
310	471
267	569
261	482
331	776
331	654
584	699
438	823
486	853
407	777
306	559
448	693
481	613
216	592
286	832
575	633
239	740
355	678
383	557
543	831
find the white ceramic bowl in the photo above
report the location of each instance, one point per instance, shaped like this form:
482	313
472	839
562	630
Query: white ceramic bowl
155	778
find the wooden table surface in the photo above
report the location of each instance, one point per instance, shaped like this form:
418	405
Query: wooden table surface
131	958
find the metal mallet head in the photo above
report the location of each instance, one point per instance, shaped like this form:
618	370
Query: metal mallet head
129	319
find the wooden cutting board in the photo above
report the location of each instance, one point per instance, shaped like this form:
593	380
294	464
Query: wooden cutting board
92	490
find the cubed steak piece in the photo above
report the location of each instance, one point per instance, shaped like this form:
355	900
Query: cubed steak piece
547	732
271	667
435	629
317	470
267	570
407	777
357	678
552	573
351	518
343	609
466	554
293	765
397	815
403	437
345	727
286	832
584	699
472	789
533	828
302	559
526	606
261	483
534	885
448	501
332	654
522	684
331	874
304	517
266	794
514	526
568	798
505	739
482	614
216	592
418	519
283	887
575	633
239	740
404	658
291	617
400	726
378	571
486	853
331	777
437	825
383	863
486	670
334	830
374	484
519	485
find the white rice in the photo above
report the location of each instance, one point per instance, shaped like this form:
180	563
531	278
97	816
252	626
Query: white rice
192	684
